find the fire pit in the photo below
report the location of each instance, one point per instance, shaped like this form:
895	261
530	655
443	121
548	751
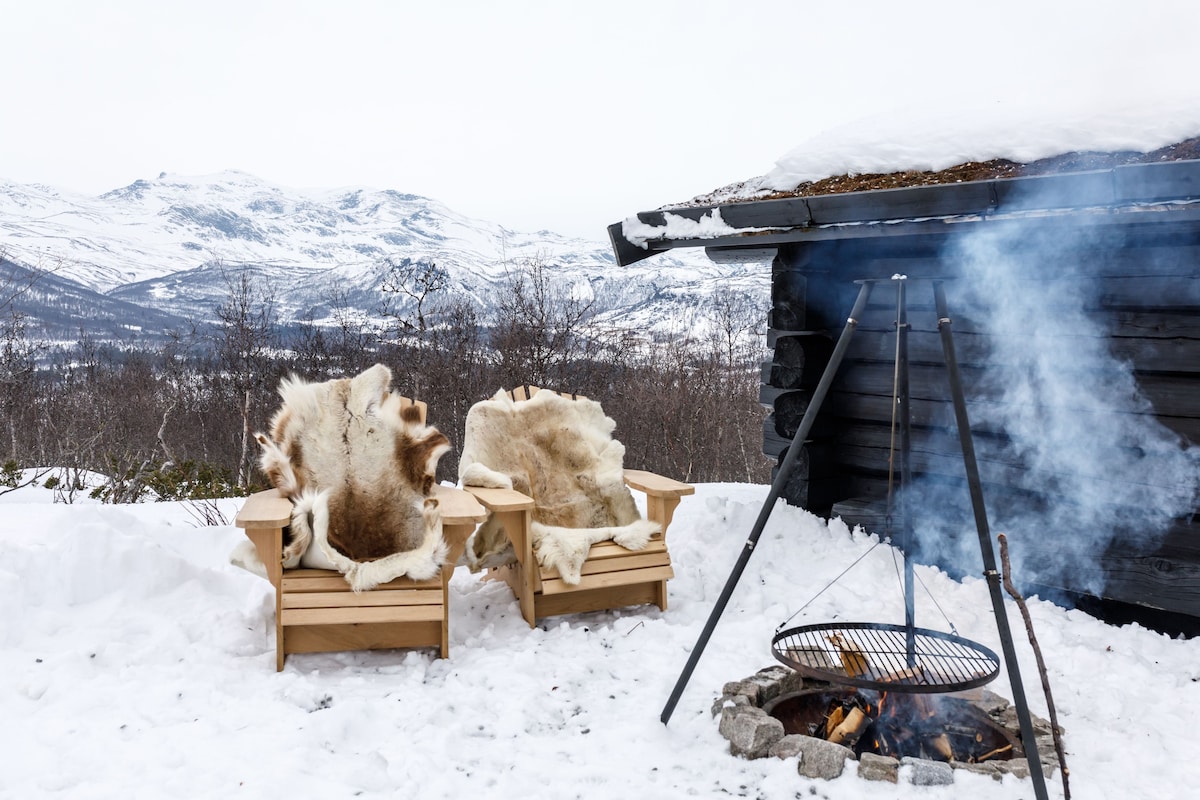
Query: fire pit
829	725
895	724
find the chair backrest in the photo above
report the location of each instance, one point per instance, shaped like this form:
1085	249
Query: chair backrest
526	392
420	405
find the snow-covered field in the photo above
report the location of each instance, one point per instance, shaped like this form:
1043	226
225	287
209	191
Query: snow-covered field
138	663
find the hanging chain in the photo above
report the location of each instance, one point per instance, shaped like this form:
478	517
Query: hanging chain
827	586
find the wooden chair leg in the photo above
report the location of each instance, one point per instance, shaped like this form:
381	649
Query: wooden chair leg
268	543
456	536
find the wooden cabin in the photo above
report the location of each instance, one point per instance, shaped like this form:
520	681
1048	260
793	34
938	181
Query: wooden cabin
1092	276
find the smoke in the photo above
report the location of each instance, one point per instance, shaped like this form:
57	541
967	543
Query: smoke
1082	451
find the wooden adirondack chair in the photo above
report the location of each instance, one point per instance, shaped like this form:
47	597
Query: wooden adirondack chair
612	577
315	609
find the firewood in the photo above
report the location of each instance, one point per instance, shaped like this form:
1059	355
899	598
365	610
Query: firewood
850	728
835	718
913	675
853	660
941	746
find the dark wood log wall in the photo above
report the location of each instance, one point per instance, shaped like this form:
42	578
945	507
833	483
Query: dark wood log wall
1144	281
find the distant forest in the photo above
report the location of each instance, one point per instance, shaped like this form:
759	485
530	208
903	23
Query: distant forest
178	423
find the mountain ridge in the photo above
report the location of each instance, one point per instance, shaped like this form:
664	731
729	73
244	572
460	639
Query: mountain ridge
167	245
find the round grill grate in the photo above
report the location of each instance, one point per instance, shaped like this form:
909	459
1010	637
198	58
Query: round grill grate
886	657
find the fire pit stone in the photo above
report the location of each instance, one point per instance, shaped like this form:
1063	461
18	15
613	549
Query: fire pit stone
872	767
746	722
750	730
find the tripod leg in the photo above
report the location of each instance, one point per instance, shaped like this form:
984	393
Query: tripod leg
785	470
1028	738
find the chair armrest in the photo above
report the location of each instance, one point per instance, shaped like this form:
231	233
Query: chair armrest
268	509
458	507
662	494
501	499
657	485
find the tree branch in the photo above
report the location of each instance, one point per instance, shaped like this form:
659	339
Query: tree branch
1037	652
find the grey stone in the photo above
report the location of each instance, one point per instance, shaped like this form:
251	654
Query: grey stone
787	747
772	682
747	688
750	734
929	773
729	700
991	702
822	759
873	767
731	712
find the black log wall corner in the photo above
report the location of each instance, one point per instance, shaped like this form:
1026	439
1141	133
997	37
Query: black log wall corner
1144	285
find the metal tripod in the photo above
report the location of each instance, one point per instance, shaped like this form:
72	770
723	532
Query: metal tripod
992	575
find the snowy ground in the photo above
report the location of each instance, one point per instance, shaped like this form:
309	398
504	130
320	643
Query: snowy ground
139	664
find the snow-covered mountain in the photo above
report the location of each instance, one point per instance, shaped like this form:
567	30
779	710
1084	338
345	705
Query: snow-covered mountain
158	251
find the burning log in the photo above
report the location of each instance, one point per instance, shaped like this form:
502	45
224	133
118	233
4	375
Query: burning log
941	746
835	718
850	728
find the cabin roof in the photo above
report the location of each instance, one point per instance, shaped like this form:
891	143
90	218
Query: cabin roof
842	206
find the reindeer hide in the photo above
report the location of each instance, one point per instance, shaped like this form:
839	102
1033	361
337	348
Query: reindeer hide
360	471
561	453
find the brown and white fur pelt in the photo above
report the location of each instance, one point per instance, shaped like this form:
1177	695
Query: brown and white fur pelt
359	470
561	453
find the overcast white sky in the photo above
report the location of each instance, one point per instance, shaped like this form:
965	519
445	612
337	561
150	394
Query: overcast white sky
561	115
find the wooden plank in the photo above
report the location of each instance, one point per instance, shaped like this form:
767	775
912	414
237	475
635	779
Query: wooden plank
267	509
1174	395
841	405
375	597
601	599
657	485
360	615
458	507
920	201
604	580
599	566
1143	580
1156	181
323	580
378	636
607	550
501	499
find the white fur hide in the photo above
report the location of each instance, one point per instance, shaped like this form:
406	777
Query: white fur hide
561	453
359	469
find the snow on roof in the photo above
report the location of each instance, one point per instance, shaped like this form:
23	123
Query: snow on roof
920	142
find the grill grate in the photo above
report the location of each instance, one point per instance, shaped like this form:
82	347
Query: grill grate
886	657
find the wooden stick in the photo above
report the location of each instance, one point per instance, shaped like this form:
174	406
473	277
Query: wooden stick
998	751
1037	652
